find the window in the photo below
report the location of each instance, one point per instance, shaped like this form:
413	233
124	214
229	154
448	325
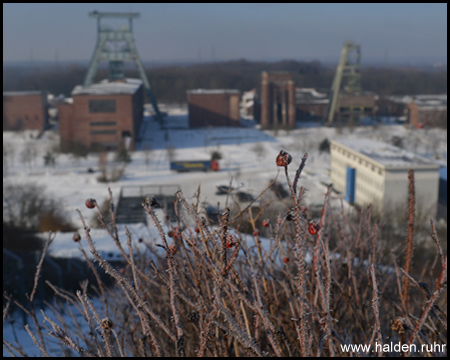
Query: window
103	123
102	132
102	106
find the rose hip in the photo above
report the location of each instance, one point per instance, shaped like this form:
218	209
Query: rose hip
313	227
283	158
90	203
76	237
229	242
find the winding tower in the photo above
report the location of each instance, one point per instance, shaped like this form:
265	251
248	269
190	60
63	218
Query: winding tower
117	46
346	82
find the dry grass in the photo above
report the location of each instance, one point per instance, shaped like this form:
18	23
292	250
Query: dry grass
216	294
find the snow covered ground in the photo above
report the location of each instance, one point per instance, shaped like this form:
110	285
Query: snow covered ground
248	161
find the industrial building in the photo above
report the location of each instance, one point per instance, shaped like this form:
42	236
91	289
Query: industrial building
310	104
348	102
428	110
214	107
104	115
117	46
25	110
277	100
372	172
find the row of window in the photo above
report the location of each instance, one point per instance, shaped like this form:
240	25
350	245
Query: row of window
357	159
104	132
103	123
102	106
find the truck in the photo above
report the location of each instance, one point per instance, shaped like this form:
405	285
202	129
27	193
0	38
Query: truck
194	165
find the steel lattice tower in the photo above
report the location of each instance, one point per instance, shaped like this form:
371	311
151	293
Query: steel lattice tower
349	70
117	46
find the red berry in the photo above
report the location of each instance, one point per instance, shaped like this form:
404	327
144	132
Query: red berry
76	237
265	223
313	228
286	260
283	158
90	203
173	249
176	233
197	230
229	242
256	232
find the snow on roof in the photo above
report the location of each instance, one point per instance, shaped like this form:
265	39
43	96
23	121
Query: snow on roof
213	91
106	87
310	96
21	93
429	101
387	155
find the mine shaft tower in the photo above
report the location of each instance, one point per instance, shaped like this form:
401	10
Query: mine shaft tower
347	80
117	46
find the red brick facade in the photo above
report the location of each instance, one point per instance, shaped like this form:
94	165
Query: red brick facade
214	108
422	116
277	100
24	110
84	122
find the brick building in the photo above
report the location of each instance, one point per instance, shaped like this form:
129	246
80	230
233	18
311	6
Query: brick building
428	110
277	100
102	116
355	105
214	107
25	110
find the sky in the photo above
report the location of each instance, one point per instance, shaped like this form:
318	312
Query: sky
387	33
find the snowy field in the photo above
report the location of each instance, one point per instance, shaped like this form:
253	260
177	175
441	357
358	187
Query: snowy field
248	162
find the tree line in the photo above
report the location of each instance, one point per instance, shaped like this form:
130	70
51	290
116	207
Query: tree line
170	83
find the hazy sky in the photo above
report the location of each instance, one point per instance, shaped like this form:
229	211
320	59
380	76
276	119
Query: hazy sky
190	32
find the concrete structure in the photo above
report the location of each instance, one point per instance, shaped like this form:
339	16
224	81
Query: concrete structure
214	107
277	100
369	171
105	115
428	110
310	104
25	110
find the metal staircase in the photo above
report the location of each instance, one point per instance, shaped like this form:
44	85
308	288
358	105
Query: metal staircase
129	207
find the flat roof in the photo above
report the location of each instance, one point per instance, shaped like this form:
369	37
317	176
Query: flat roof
432	101
386	154
22	93
213	91
106	87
